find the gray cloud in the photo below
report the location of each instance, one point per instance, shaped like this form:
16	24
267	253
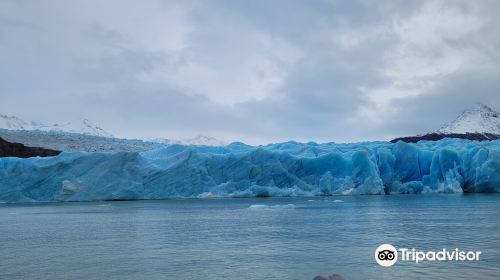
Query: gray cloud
259	71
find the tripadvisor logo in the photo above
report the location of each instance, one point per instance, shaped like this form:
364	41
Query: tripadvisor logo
387	255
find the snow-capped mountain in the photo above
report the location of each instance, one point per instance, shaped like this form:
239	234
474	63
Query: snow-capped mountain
83	135
479	119
79	135
201	140
480	123
82	126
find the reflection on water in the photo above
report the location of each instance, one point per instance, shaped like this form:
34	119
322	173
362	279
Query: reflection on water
277	238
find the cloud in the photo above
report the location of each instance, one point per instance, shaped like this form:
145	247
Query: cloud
255	71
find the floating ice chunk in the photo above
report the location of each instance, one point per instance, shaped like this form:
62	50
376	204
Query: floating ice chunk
278	206
207	195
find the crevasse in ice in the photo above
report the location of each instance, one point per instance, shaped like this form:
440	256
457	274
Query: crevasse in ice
239	170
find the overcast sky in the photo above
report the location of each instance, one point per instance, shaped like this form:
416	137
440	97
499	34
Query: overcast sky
252	71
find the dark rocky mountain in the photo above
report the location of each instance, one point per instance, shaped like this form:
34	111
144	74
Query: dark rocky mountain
8	149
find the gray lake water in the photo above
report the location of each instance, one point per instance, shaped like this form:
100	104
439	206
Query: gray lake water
228	239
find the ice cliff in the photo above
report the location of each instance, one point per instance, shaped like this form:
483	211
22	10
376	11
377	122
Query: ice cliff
238	170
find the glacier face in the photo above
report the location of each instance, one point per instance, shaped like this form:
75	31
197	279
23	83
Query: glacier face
239	170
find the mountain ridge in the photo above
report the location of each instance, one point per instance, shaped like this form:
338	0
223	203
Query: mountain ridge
82	125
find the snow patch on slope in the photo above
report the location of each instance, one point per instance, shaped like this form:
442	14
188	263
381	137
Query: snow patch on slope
14	123
83	126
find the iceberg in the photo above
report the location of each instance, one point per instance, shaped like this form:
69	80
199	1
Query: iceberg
239	170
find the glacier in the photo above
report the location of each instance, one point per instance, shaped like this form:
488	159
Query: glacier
240	170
